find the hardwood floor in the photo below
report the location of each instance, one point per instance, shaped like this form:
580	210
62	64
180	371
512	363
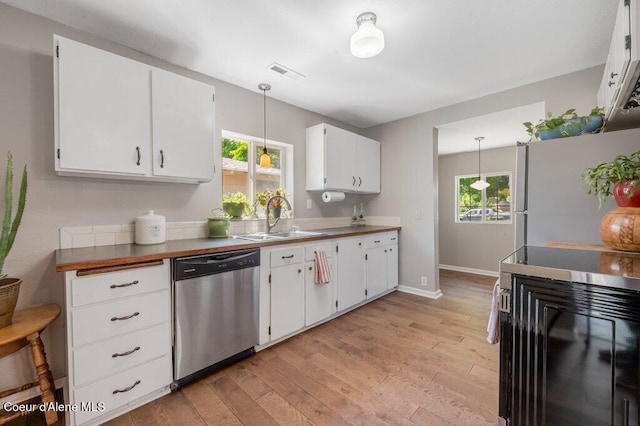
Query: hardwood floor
401	359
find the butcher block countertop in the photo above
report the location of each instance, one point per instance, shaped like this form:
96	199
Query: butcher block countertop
115	256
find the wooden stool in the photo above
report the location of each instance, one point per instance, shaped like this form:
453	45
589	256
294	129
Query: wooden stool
25	329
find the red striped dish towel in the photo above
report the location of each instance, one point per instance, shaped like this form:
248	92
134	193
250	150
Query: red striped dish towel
322	273
493	328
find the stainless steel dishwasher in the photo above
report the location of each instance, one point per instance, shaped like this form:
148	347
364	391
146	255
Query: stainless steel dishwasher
215	302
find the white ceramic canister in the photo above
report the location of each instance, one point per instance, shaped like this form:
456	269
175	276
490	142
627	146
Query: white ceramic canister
150	229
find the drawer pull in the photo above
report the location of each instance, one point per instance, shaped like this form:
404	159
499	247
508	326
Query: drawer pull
124	285
137	348
393	239
126	389
287	257
376	241
135	314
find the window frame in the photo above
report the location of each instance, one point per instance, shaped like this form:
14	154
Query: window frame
286	164
483	204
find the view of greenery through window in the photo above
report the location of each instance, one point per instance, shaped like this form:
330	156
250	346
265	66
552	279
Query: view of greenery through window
493	203
237	172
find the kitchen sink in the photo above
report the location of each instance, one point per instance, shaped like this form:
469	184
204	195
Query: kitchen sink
263	236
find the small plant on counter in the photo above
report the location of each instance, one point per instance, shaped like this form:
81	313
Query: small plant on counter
9	226
566	124
600	179
234	204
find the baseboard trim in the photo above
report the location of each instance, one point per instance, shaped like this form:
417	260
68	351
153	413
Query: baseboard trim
470	270
31	393
419	292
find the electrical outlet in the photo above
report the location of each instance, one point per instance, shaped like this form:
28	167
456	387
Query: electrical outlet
424	281
309	203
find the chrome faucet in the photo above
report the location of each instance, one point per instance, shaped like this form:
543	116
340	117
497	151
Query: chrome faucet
269	225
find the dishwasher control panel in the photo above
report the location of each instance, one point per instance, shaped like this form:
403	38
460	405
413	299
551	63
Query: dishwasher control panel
216	263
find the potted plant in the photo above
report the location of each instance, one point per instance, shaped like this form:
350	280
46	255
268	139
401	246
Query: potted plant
9	287
234	204
567	124
620	178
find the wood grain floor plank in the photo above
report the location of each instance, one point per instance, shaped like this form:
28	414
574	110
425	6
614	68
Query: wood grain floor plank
240	403
281	411
208	404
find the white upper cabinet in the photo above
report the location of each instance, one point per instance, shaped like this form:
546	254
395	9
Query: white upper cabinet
341	160
103	111
122	119
182	126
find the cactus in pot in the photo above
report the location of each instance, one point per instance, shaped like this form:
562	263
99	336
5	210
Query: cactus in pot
9	287
10	226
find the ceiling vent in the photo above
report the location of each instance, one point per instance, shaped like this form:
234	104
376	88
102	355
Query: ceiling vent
287	72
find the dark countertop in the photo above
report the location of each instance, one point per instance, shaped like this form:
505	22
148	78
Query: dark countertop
616	269
128	254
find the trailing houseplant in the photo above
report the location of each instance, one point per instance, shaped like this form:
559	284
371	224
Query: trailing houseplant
566	124
620	178
9	287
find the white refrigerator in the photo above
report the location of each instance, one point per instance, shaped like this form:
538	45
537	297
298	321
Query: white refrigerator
551	204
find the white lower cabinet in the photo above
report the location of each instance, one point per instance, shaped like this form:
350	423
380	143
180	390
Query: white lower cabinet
319	298
381	259
118	340
287	291
351	272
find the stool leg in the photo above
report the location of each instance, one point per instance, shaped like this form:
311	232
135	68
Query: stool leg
44	375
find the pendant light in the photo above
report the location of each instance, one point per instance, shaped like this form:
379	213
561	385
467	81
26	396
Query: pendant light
265	160
368	40
479	184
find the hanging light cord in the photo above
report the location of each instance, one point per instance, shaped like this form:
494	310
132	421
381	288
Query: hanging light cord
479	178
264	121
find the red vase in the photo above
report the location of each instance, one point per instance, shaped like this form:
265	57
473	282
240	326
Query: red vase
621	193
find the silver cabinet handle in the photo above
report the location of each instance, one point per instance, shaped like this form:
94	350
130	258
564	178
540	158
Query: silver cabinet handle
139	155
287	257
359	181
135	314
116	355
127	389
124	285
376	241
161	158
354	181
611	83
613	74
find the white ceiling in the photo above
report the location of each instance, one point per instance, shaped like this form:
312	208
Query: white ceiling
499	129
437	53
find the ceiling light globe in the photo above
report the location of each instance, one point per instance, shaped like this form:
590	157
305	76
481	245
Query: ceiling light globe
480	185
368	41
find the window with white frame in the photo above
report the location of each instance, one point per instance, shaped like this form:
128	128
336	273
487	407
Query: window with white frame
242	173
492	204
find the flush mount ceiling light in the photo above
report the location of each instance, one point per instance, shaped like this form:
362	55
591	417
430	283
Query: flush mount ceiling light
265	160
479	184
368	40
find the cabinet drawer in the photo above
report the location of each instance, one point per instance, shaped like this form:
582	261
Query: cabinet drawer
97	361
114	285
309	251
392	238
381	239
286	256
149	377
97	322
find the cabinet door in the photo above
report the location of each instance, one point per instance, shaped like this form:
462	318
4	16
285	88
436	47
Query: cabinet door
287	300
351	284
376	277
368	165
183	127
103	111
340	165
319	302
392	266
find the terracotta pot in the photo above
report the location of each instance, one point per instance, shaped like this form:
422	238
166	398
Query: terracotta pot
9	289
621	193
620	229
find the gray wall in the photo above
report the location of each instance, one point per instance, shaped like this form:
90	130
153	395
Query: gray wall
471	244
410	166
26	129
